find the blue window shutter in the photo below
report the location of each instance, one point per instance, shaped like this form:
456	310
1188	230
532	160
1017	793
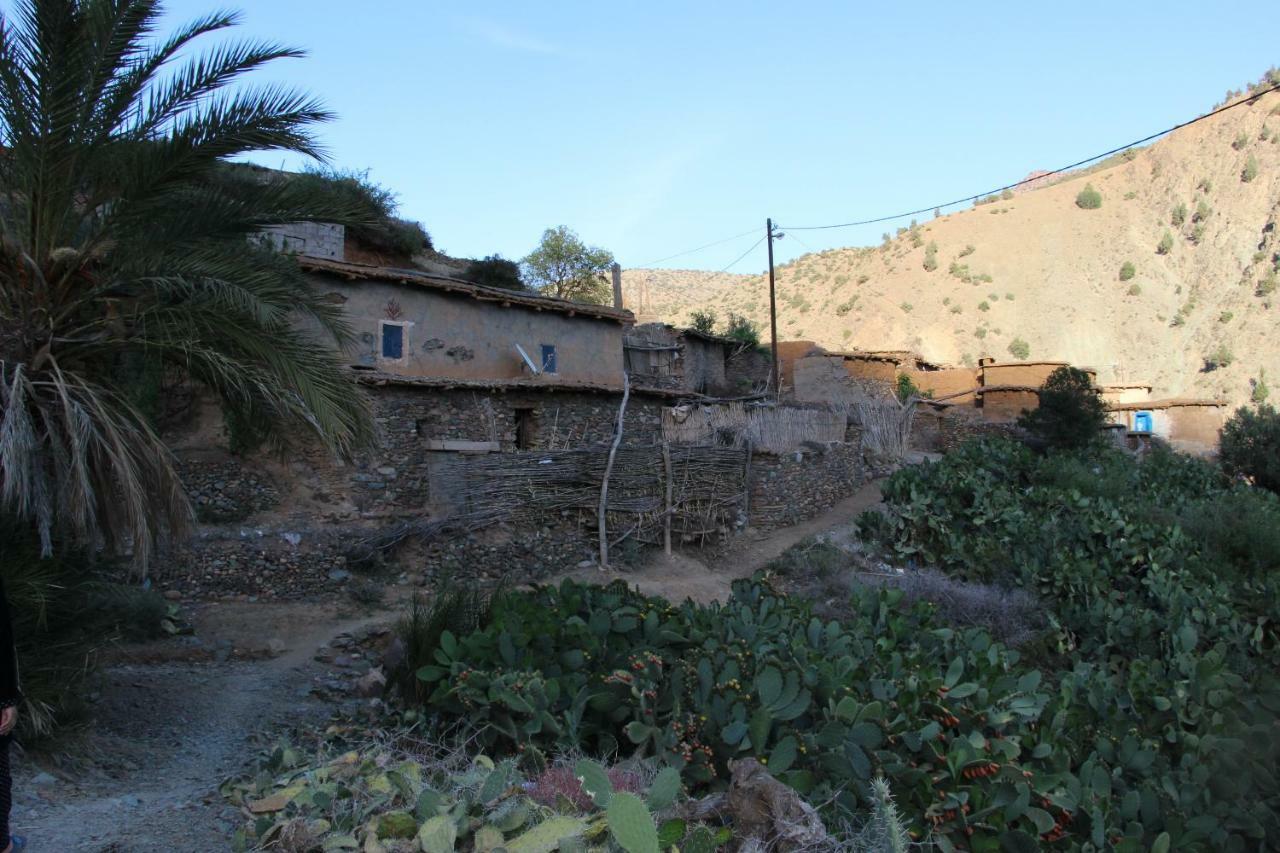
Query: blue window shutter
392	341
548	358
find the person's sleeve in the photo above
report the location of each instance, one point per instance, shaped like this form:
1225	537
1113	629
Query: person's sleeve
10	692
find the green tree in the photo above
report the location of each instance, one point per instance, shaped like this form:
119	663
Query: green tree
742	330
1127	271
1019	349
496	271
1261	390
1250	446
1165	246
566	268
703	321
127	238
1071	411
1089	198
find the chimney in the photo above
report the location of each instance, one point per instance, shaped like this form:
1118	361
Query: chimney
617	285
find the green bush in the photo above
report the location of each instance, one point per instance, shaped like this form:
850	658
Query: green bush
1250	446
496	271
984	305
1165	246
966	251
373	207
1241	140
1225	317
1020	349
1147	607
906	307
1071	412
742	330
703	321
1261	390
1220	357
1127	271
1250	170
931	257
1203	211
1179	215
1088	198
1135	290
906	388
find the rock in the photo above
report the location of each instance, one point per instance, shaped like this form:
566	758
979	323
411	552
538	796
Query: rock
172	595
44	780
372	683
339	575
276	646
394	654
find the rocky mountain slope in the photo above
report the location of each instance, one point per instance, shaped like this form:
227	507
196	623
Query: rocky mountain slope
1194	316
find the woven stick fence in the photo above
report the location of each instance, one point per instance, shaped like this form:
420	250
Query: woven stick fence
769	430
708	489
886	426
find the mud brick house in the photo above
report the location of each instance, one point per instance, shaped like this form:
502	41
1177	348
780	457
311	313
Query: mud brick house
1189	425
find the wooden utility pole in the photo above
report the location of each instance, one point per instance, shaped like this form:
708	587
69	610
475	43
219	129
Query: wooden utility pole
773	311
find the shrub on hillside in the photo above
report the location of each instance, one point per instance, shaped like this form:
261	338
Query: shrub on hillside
1088	198
1071	411
1260	390
1220	357
496	271
1241	140
1127	271
931	257
1179	215
1250	170
1135	290
1250	446
1165	246
1203	211
1020	349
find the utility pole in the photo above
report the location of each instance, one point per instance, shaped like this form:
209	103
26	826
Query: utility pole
773	312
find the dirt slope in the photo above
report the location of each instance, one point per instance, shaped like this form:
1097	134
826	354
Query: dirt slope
1048	272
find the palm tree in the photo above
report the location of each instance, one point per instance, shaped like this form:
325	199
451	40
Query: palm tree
127	238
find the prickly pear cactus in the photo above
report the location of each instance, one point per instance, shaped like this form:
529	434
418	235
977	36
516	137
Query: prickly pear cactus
631	825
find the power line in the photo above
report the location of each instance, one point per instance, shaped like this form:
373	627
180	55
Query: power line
1058	171
743	255
700	248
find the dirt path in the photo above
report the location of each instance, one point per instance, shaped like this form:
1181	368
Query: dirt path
167	734
688	575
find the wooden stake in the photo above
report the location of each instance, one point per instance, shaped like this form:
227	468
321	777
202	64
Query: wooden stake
608	469
666	525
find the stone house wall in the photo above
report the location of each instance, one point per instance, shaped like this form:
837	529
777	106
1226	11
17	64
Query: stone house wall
797	486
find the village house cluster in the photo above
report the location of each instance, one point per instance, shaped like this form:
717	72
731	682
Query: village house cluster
496	410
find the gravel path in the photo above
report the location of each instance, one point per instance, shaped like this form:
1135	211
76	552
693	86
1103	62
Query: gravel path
166	736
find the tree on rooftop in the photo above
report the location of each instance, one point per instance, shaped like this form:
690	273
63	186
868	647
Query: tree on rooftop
128	250
566	268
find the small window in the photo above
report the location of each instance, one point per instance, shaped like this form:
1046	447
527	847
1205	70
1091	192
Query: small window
392	341
548	358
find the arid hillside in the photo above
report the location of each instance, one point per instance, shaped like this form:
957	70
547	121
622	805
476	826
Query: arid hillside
1194	313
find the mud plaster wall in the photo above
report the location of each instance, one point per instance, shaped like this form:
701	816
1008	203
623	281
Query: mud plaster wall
1192	429
455	336
1007	405
704	366
872	369
940	383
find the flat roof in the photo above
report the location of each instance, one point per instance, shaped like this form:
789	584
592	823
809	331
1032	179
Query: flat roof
446	284
1170	403
366	376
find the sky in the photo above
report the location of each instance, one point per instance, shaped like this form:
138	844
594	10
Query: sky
651	128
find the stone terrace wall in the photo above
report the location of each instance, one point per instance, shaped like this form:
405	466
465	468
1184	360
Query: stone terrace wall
797	486
943	432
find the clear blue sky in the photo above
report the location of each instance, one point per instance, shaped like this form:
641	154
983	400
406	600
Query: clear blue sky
655	127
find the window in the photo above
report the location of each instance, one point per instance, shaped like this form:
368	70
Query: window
393	340
548	358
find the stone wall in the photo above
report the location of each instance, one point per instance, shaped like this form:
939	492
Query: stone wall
396	479
942	432
797	486
312	239
224	489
